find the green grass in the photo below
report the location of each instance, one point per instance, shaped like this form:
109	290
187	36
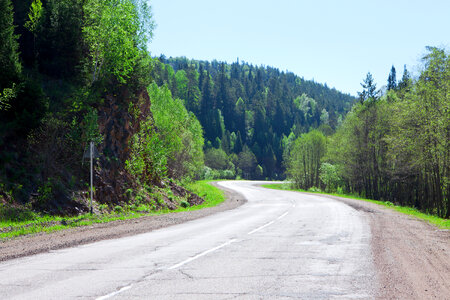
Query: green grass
439	222
16	222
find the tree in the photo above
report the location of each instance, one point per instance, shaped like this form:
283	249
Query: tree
329	176
303	165
10	67
216	159
392	80
405	82
34	20
180	132
60	42
115	31
369	92
247	162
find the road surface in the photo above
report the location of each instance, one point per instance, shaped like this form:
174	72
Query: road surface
279	245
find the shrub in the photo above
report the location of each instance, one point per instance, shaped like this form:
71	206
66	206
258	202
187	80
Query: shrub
184	204
118	209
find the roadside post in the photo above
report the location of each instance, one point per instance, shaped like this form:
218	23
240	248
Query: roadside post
91	153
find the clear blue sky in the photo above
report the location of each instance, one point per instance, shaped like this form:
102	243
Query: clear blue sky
331	41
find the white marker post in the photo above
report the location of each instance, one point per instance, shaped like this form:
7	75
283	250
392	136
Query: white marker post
92	172
91	152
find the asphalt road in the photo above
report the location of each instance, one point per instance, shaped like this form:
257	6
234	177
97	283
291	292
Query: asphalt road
279	245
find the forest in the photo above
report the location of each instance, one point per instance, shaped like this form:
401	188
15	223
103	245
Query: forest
392	146
249	113
75	71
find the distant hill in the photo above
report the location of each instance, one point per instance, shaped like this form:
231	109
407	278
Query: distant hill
251	109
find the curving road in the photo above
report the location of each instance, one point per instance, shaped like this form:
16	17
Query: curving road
279	245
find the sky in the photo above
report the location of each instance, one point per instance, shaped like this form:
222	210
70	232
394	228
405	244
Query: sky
333	42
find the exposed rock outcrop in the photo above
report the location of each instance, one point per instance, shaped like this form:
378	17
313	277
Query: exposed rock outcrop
117	126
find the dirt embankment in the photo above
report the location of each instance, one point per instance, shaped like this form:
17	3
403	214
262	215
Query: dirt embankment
45	242
412	257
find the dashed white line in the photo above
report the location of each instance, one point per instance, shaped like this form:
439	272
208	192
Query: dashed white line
114	293
282	216
268	224
261	227
201	254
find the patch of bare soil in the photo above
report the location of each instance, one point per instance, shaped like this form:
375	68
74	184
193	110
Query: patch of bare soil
44	242
412	257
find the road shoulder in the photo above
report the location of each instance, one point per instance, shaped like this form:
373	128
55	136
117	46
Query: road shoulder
412	257
45	242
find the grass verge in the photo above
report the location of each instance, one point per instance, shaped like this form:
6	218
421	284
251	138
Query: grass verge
439	222
16	222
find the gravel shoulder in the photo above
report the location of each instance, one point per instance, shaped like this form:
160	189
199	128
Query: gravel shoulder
45	242
412	257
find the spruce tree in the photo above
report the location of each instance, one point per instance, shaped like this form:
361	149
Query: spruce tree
406	79
369	89
10	67
392	80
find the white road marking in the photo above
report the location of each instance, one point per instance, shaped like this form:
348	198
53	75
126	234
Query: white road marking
282	216
261	227
201	254
268	224
114	293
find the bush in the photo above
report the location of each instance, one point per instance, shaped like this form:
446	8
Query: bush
118	209
184	204
314	189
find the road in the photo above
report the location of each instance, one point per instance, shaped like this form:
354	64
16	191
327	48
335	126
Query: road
279	245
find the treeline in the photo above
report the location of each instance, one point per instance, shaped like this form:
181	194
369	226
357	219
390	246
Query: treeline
249	113
394	147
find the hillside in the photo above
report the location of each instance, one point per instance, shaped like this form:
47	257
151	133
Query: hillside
250	113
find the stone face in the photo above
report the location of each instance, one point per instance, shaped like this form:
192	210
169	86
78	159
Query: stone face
117	126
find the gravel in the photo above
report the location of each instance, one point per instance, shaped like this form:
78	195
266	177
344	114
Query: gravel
412	257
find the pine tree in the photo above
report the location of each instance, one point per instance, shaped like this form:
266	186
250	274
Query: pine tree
392	80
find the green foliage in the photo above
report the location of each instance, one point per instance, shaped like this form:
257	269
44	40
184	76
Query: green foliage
240	105
305	157
184	204
114	34
216	159
46	192
8	95
247	163
118	209
90	128
27	108
314	189
369	92
329	177
397	148
60	41
211	174
148	155
10	67
34	16
392	80
180	133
